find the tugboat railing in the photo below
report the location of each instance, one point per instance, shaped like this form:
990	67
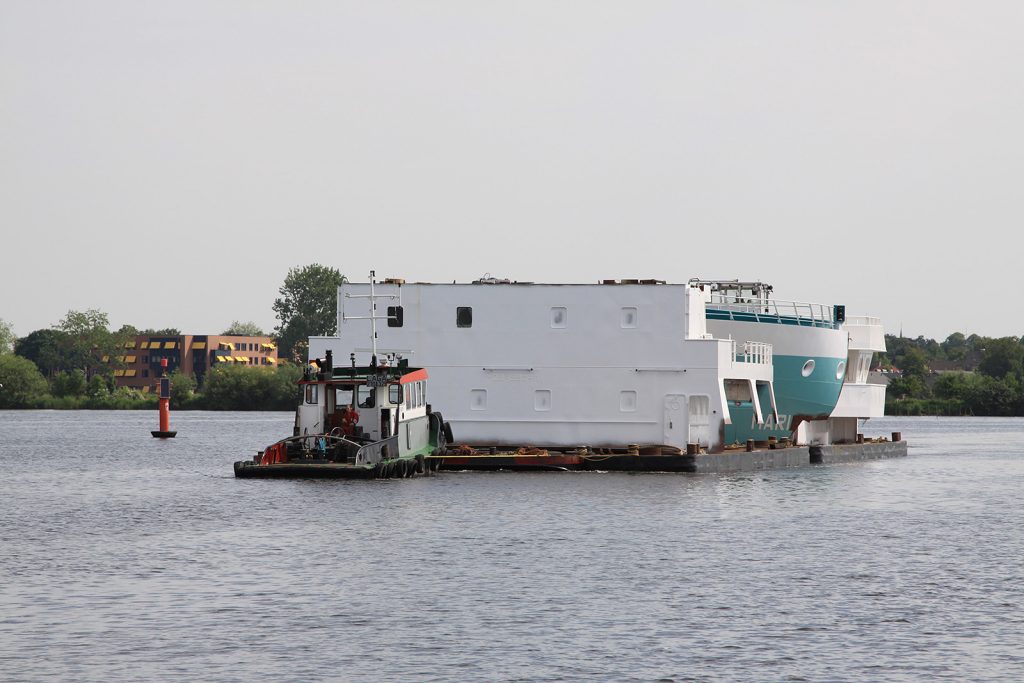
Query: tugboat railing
329	438
377	451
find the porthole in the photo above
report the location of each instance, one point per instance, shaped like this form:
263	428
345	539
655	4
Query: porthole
840	369
808	368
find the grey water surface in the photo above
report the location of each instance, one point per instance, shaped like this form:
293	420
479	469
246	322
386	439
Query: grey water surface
127	558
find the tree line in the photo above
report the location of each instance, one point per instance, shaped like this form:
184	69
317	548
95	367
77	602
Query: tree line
72	363
962	375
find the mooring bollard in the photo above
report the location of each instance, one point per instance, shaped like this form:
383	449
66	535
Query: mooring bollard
860	438
692	448
750	445
897	436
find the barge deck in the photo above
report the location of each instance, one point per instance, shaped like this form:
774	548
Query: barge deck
654	459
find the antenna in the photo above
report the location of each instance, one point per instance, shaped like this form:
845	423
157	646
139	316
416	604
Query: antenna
373	317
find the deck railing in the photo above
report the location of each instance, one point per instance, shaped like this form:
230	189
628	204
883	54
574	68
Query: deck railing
773	308
759	353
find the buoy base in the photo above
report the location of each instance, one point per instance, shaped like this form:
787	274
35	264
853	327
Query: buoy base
163	435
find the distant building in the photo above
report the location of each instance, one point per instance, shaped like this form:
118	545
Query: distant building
139	365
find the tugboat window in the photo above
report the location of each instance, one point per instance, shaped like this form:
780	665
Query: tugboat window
365	395
311	393
395	394
464	316
343	396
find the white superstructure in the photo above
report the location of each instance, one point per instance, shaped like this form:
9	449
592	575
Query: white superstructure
602	365
859	399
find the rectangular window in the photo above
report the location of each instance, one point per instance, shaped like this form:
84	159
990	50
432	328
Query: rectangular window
311	394
145	373
408	396
464	316
478	399
628	318
627	401
395	316
395	394
364	396
558	317
542	399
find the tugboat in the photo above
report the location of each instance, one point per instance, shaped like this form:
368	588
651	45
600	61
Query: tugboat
370	422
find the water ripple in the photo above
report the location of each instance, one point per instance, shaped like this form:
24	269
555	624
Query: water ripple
129	558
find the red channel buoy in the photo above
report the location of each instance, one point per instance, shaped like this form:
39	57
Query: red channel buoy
165	404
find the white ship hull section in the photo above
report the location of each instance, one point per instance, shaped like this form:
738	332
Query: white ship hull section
563	365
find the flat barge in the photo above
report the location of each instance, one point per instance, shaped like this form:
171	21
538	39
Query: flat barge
763	456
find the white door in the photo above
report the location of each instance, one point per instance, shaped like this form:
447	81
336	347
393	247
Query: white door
676	428
700	419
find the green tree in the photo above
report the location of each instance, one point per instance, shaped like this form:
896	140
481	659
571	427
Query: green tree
183	388
990	396
1002	357
21	383
88	340
7	337
99	386
44	348
955	346
307	306
955	385
68	383
248	387
910	386
914	363
246	329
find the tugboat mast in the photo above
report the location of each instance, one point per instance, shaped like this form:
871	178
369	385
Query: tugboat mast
373	317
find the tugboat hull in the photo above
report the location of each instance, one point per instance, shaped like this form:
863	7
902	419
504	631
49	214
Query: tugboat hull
392	469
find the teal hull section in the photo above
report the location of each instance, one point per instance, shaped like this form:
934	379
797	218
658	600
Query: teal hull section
796	397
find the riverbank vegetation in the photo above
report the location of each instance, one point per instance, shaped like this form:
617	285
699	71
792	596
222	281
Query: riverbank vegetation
73	364
226	388
963	375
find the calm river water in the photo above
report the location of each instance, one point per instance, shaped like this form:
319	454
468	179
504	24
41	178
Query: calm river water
127	558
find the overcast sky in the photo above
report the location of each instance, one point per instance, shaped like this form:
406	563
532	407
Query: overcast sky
168	162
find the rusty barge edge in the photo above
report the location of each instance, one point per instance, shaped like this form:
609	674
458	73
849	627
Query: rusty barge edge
700	463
